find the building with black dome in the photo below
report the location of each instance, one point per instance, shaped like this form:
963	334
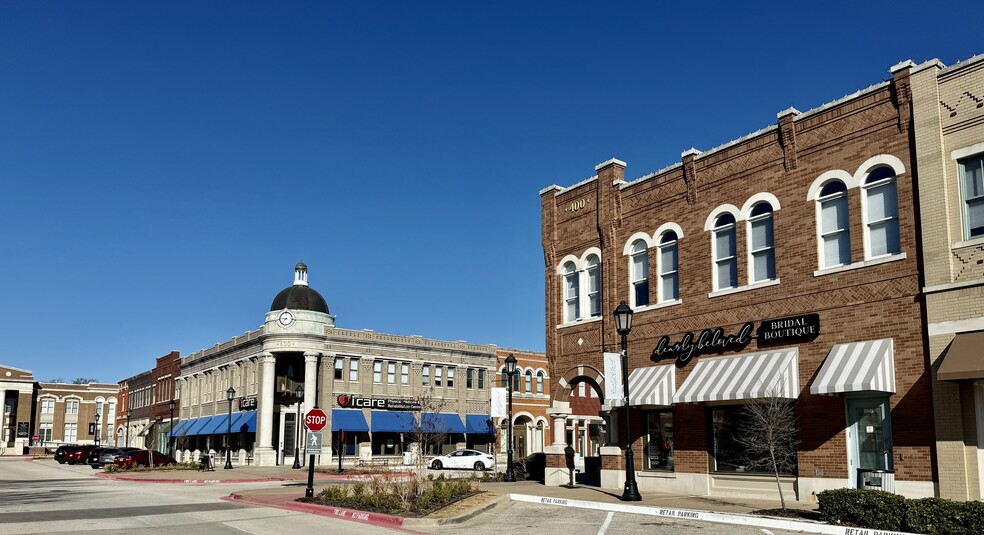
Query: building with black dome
379	390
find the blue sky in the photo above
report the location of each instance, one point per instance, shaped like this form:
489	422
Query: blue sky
165	164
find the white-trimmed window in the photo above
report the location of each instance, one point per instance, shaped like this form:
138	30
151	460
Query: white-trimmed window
425	374
572	304
481	379
594	287
669	282
469	378
353	369
725	259
339	368
639	274
377	371
972	194
529	381
405	373
48	406
835	232
761	241
450	377
44	433
71	432
390	372
539	382
881	212
71	406
438	375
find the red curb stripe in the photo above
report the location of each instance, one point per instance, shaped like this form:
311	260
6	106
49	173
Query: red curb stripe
363	517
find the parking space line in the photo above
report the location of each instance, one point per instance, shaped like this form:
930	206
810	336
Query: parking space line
608	520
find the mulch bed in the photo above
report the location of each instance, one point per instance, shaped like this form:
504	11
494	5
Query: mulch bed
796	514
372	508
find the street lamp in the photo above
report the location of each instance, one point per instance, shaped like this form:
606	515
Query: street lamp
97	429
129	412
623	324
510	371
230	395
299	392
170	431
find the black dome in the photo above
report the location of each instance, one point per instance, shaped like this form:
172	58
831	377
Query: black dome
299	297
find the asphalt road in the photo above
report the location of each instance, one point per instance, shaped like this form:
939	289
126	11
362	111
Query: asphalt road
45	497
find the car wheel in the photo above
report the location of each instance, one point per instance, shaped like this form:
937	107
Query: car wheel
437	465
479	466
61	462
169	464
71	463
95	466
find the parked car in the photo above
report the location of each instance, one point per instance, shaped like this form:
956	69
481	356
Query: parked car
60	452
466	459
78	454
100	457
533	467
140	458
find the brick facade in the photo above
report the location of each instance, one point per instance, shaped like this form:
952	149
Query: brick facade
867	300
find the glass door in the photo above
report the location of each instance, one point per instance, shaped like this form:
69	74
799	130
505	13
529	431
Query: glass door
869	435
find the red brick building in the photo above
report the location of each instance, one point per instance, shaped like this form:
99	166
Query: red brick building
783	264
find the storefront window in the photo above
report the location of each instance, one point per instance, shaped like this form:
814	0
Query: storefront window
659	440
481	379
469	373
338	369
728	426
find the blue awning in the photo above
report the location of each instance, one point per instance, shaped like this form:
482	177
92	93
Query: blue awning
198	425
348	420
179	429
245	422
393	422
441	422
478	424
218	426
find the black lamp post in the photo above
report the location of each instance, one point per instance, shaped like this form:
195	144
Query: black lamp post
230	395
623	324
170	431
97	429
129	412
299	393
510	371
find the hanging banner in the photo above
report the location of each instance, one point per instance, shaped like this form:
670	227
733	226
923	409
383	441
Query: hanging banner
613	379
499	405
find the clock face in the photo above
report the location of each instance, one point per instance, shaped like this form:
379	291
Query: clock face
286	318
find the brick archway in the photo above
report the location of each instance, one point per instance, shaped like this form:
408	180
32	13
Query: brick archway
581	372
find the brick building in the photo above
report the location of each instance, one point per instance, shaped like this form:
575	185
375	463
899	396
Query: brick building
135	409
165	376
782	264
948	110
531	399
16	421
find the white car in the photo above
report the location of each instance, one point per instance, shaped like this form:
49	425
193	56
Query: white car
467	459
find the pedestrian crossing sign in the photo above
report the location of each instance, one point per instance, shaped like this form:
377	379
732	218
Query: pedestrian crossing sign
314	443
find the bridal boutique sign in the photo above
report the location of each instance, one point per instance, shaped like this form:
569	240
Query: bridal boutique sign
717	340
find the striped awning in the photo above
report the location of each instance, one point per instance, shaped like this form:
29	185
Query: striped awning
654	385
748	376
857	367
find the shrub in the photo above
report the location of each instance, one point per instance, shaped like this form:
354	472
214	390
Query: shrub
881	510
334	493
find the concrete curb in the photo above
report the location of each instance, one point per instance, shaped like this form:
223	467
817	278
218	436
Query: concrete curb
500	501
363	517
706	516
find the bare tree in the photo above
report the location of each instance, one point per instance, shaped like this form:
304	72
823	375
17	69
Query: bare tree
83	381
769	436
430	434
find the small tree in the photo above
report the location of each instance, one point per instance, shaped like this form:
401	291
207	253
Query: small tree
769	436
83	381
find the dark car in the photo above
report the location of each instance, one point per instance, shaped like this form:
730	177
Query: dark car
60	452
139	458
100	457
78	454
534	466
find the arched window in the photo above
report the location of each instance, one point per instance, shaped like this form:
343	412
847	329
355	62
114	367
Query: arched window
516	377
594	287
529	381
572	305
835	233
539	382
761	250
881	212
725	261
639	274
669	284
505	379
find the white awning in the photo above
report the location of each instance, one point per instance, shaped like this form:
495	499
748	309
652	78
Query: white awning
653	385
857	367
748	376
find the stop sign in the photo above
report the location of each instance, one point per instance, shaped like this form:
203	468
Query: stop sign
315	419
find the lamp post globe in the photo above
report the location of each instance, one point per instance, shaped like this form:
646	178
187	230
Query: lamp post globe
510	371
623	324
299	393
230	395
170	431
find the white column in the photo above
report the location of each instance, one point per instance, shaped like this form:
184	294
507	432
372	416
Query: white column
265	454
310	379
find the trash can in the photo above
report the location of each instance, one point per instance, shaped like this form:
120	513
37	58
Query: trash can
874	479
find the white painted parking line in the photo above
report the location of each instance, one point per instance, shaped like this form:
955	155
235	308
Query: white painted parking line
767	532
608	520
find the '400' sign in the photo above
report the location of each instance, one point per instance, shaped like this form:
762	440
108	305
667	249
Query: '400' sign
709	340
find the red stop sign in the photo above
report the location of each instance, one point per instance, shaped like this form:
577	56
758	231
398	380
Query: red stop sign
315	419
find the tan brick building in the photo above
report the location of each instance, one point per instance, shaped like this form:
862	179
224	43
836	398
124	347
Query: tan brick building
948	111
785	264
66	413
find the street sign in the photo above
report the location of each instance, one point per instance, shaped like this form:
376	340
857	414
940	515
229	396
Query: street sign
315	419
314	443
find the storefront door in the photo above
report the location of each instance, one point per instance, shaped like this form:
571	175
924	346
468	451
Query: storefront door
288	433
869	444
